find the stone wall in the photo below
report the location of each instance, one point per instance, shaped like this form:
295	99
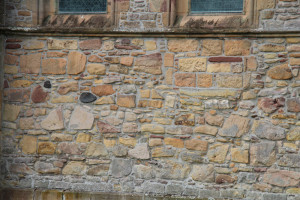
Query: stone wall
188	117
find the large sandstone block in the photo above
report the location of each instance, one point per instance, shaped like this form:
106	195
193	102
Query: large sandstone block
212	47
54	121
182	45
74	168
192	64
230	81
92	44
140	152
235	126
203	173
127	101
266	130
280	72
31	63
294	134
237	47
185	80
282	178
149	64
11	112
262	154
81	119
76	63
28	144
217	153
195	144
54	44
103	90
54	66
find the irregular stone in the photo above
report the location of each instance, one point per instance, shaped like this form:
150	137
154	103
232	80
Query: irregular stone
81	119
223	178
26	123
280	72
290	160
54	66
121	167
239	155
144	172
87	97
162	152
130	142
271	48
38	95
11	112
212	47
94	59
182	45
96	69
192	64
130	128
149	64
105	100
112	79
230	81
18	95
271	92
195	144
281	178
293	104
119	151
28	144
47	84
185	80
128	89
54	54
107	128
10	69
217	153
83	138
266	130
20	83
57	137
74	168
191	157
46	168
186	120
118	69
69	148
140	152
108	45
92	44
235	126
218	67
76	63
269	105
33	45
54	44
175	142
203	173
214	120
10	59
169	60
294	134
20	168
30	64
251	63
99	170
103	90
127	61
152	128
65	88
46	148
237	47
127	101
293	191
54	121
63	99
95	150
262	154
206	129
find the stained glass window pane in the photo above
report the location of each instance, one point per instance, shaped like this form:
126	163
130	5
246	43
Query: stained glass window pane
216	6
82	6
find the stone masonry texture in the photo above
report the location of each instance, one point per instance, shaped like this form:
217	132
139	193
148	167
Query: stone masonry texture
138	116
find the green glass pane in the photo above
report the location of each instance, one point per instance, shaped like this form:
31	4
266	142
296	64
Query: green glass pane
209	6
82	6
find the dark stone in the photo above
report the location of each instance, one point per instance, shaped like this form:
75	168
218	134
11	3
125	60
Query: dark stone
87	97
13	46
38	95
5	84
47	84
225	59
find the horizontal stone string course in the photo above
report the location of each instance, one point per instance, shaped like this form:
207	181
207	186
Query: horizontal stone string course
207	118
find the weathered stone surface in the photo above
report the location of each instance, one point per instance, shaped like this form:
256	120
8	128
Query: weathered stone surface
99	170
192	64
169	60
192	157
152	128
219	67
34	44
95	150
281	178
162	152
204	80
186	120
38	95
121	167
140	152
31	63
96	69
54	44
144	172
208	93
69	148
130	128
65	88
237	47
57	137
217	153
28	144
127	61
251	63
21	83
20	168
54	66
182	45
262	154
63	99
10	59
107	128
74	168
54	121
185	80
293	104
214	120
81	119
103	90
46	168
290	160
149	64
203	173
224	59
269	105
195	144
212	47
127	101
173	170
294	134
26	123
235	126
175	142
105	100
206	129
76	63
266	130
280	72
130	142
230	81
222	178
83	138
46	148
87	97
11	112
239	155
118	69
92	44
271	48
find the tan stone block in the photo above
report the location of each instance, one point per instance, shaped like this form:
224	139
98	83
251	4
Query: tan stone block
239	155
127	61
105	100
293	40
137	42
52	54
293	191
26	123
20	83
294	61
76	63
294	134
235	126
271	48
169	60
203	173
195	144
149	64
11	112
63	99
58	137
206	129
212	47
229	81
218	67
155	142
54	66
152	128
163	121
28	144
109	143
130	142
192	64
46	148
33	45
280	72
145	93
251	63
182	45
95	150
10	59
10	69
74	168
30	63
54	44
159	152
155	103
237	47
150	45
204	80
266	4
185	80
103	90
93	44
83	138
217	153
108	45
175	142
127	101
68	87
96	69
54	121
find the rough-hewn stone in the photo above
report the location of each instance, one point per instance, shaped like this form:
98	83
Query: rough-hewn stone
183	45
280	72
54	120
54	66
149	64
235	126
192	64
30	63
76	63
81	119
217	153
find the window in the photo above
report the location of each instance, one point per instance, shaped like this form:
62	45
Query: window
216	6
82	6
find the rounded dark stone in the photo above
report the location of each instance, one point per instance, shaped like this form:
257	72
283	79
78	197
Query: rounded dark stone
47	84
87	97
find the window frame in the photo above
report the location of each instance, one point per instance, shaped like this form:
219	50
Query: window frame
80	13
